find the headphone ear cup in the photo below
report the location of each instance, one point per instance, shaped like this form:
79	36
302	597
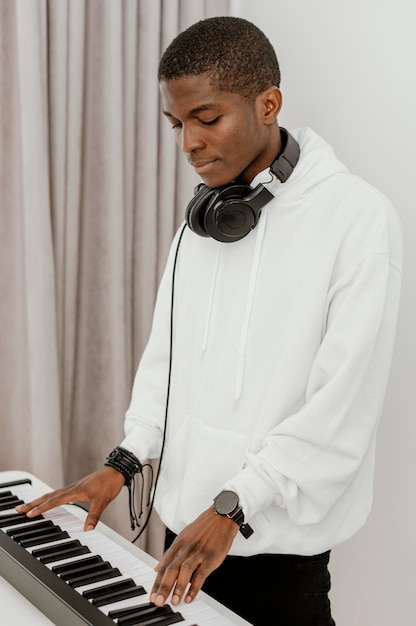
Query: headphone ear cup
235	211
229	216
196	209
227	213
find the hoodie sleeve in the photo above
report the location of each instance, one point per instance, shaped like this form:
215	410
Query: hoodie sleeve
308	461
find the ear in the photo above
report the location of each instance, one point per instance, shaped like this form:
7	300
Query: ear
270	103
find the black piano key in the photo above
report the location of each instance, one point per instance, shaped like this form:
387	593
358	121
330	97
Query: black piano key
111	587
38	552
17	518
15	532
161	621
117	596
117	613
13	483
5	494
86	569
94	578
67	567
145	611
38	532
9	503
159	616
129	610
60	555
49	538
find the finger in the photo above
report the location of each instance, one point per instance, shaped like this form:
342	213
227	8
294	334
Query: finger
164	583
186	572
27	506
45	502
94	514
198	580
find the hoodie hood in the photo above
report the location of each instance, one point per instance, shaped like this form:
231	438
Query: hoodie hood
317	162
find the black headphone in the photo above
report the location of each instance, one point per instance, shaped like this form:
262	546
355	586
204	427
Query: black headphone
229	213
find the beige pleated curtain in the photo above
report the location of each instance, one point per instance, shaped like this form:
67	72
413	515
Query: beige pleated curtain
91	191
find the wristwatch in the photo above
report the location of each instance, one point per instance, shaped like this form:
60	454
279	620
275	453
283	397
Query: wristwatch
226	503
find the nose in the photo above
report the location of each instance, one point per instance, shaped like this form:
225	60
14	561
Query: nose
190	138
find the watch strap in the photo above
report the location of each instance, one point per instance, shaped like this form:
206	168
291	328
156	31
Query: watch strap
238	517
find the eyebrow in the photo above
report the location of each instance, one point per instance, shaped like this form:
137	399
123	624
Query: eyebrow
196	110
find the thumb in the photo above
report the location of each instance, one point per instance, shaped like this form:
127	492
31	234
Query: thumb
94	515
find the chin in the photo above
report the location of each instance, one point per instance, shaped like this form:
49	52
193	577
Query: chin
215	183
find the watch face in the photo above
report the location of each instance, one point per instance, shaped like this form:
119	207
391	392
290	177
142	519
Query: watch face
226	502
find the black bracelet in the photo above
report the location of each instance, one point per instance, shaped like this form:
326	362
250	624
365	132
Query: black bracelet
125	462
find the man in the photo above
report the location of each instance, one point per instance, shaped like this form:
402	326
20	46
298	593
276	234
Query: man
283	315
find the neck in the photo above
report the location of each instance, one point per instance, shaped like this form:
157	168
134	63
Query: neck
270	153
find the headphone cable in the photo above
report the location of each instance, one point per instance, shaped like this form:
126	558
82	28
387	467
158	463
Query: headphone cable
168	385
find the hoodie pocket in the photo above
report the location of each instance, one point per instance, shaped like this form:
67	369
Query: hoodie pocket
199	460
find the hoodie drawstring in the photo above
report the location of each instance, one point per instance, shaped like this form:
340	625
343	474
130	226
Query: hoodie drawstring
241	353
210	301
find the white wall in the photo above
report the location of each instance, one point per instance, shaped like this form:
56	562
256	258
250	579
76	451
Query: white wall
349	71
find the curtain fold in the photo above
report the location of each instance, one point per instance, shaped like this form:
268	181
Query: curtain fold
92	189
29	344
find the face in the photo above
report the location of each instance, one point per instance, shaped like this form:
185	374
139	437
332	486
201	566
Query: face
224	136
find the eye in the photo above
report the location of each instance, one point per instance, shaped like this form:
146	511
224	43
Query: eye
210	122
177	126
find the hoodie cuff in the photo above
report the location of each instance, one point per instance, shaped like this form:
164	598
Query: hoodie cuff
255	490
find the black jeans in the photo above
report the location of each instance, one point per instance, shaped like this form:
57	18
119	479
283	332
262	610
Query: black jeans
273	589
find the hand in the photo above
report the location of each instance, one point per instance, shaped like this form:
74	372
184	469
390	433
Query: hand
196	552
99	488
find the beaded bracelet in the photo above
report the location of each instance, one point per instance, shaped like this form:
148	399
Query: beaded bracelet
125	462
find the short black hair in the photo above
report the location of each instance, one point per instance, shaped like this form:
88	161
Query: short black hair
234	52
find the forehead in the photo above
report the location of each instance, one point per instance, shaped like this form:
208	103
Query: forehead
193	94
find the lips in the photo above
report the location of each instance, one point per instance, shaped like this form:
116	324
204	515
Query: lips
202	166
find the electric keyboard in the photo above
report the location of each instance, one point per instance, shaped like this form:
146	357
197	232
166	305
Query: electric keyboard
76	577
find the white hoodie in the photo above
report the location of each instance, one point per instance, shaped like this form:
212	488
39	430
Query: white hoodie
282	345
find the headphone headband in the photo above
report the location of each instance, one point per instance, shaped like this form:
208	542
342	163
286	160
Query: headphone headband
285	163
